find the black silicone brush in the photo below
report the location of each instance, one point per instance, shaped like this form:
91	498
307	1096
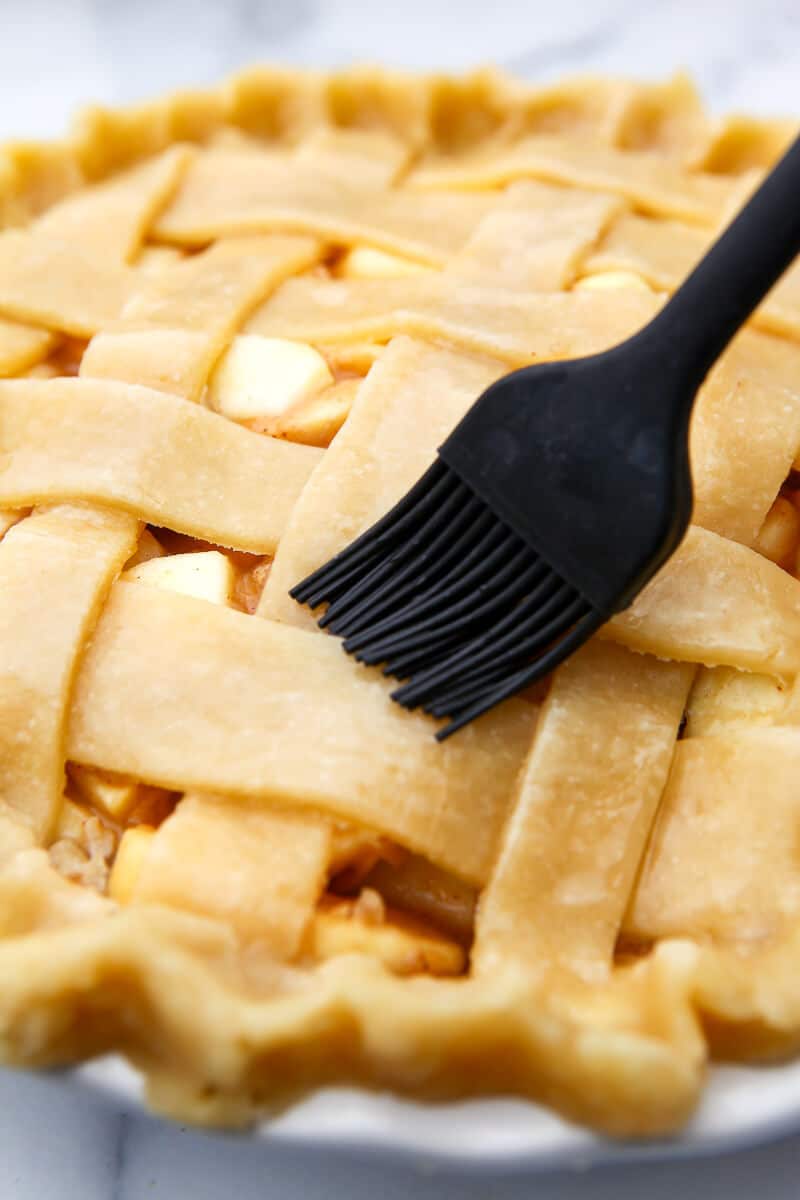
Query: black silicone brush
557	497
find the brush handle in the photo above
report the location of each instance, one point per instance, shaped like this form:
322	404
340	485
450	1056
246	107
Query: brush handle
731	280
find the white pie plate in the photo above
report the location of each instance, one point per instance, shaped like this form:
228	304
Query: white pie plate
742	1106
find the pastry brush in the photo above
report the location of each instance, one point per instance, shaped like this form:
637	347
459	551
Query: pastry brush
561	492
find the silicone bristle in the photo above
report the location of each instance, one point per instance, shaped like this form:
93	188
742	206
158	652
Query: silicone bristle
445	596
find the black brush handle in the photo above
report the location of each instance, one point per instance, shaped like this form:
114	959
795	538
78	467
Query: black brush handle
695	326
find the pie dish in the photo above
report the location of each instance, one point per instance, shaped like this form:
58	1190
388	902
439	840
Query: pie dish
234	326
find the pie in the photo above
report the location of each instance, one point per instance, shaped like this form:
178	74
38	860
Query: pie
234	327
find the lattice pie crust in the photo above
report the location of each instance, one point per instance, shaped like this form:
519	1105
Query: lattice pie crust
234	326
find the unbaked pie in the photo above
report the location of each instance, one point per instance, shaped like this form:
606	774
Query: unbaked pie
234	326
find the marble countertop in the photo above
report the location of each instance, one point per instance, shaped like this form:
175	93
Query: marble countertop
57	1143
58	54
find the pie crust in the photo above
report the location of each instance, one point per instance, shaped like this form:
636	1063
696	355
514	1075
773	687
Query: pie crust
224	852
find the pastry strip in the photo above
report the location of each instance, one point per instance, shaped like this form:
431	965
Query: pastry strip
746	979
110	220
228	193
587	796
48	281
267	867
716	602
653	184
745	434
515	327
724	699
150	454
55	569
704	875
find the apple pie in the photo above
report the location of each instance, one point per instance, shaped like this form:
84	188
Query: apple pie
234	327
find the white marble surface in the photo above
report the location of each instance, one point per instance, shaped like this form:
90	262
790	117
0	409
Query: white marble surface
57	54
57	1143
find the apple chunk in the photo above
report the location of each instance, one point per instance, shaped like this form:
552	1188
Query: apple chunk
208	575
112	794
609	280
405	944
263	377
317	420
362	262
134	847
